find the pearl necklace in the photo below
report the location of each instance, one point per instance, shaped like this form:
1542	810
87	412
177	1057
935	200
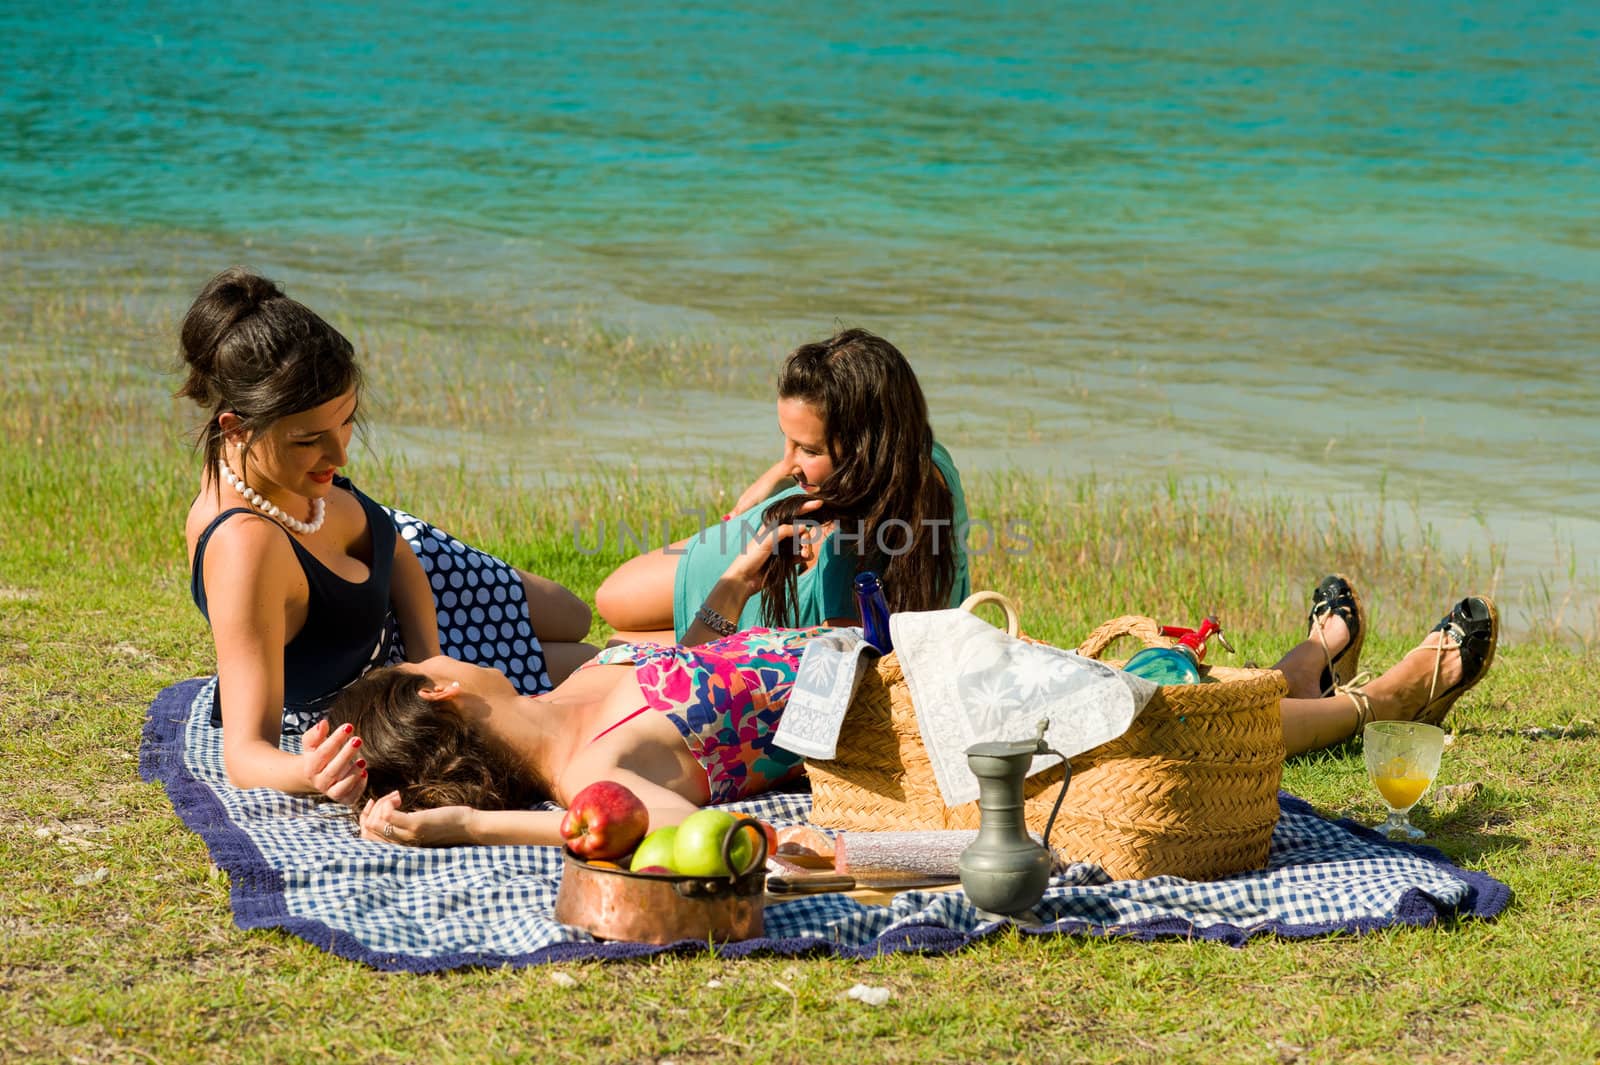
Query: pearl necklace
319	509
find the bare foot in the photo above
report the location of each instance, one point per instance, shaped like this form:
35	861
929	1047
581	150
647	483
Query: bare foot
1416	681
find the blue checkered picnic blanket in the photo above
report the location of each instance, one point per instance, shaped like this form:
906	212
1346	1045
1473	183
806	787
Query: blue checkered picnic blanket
301	866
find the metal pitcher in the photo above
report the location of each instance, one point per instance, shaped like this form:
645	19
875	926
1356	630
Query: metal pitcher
1004	871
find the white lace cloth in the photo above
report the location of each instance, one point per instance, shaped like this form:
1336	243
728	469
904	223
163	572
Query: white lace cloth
823	687
970	683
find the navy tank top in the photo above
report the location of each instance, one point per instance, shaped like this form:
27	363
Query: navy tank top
346	631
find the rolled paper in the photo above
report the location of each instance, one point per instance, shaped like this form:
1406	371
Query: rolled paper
872	855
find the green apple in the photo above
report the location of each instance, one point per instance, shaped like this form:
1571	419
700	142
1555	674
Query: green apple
656	850
698	850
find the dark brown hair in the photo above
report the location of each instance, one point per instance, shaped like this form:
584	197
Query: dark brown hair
255	352
425	750
876	421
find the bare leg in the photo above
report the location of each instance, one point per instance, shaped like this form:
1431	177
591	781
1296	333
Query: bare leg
1398	695
561	620
558	616
637	596
1310	724
666	636
562	659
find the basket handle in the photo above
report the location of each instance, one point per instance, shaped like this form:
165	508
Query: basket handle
1144	628
1013	615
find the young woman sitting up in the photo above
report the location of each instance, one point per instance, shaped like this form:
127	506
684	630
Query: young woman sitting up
860	467
305	581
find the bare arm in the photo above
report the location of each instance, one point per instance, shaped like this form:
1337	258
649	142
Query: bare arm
765	486
447	826
727	599
412	599
250	574
638	595
742	579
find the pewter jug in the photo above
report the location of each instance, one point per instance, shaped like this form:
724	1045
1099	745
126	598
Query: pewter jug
1004	871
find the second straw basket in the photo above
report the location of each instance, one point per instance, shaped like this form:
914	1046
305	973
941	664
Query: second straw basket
1190	790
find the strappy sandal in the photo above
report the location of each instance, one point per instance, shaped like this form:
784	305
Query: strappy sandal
1335	597
1363	704
1474	626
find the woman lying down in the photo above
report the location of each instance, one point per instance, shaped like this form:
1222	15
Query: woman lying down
454	755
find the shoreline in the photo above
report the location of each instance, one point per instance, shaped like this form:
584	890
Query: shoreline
459	380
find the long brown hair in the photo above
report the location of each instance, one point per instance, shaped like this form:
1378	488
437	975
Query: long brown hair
426	751
876	420
255	352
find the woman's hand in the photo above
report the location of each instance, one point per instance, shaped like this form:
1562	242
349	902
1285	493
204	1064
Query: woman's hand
383	820
333	765
764	487
746	568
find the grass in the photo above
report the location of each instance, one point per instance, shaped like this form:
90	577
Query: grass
116	939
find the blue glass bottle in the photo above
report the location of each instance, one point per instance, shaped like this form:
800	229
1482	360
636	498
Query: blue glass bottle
1180	664
874	610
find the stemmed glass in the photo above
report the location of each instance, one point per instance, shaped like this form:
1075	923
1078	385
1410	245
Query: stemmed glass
1402	760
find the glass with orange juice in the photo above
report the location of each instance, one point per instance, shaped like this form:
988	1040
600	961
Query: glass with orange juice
1402	760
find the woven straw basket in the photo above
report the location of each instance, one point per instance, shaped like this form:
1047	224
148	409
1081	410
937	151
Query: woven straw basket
1190	790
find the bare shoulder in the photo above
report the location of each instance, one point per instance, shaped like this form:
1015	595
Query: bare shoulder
249	551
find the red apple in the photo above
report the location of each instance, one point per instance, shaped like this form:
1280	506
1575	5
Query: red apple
604	820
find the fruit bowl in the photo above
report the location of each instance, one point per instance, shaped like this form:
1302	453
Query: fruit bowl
610	902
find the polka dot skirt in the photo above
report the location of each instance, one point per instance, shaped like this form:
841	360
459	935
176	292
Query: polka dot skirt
483	608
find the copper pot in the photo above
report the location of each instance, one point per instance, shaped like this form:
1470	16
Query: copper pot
660	908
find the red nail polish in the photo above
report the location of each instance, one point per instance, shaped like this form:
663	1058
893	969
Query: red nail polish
349	728
355	743
361	763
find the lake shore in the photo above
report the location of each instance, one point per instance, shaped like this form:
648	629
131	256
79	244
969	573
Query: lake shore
549	392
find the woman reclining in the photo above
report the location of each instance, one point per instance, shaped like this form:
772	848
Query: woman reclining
455	755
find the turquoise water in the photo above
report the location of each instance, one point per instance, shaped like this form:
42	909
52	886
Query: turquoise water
1354	250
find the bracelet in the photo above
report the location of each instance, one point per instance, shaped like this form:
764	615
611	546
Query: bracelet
715	621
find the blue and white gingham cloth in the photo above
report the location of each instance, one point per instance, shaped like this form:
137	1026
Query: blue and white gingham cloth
301	866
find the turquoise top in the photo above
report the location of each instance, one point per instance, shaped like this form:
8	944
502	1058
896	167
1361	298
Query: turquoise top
824	592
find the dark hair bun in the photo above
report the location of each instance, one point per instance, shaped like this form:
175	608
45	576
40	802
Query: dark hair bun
240	288
229	298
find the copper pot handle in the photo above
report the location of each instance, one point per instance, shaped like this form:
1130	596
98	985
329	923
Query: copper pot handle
727	846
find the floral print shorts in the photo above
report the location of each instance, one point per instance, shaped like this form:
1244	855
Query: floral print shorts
726	697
